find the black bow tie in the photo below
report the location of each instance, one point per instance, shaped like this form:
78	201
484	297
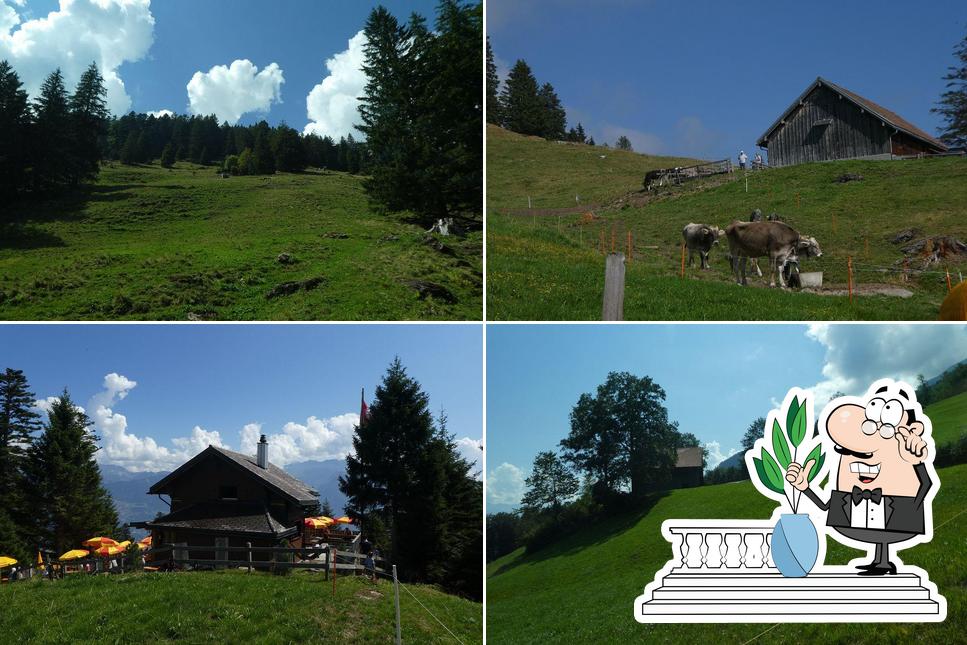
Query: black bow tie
860	494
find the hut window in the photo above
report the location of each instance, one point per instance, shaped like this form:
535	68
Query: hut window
822	122
228	492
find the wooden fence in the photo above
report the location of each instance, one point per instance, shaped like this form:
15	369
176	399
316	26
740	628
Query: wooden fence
661	177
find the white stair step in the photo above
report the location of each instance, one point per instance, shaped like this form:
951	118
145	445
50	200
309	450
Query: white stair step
772	594
738	608
777	580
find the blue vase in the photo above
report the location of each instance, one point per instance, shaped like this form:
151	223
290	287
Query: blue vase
795	545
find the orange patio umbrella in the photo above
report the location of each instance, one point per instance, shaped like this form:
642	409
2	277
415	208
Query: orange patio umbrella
96	542
109	550
343	520
124	545
146	541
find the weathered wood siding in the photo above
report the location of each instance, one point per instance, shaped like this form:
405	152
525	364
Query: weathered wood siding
850	132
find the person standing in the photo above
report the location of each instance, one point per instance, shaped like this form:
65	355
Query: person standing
743	158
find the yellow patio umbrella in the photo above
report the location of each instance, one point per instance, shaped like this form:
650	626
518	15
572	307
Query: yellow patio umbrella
6	562
109	549
97	542
125	544
343	520
146	540
317	522
74	554
40	561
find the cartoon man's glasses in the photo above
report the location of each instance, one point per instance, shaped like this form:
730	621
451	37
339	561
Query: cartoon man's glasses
882	416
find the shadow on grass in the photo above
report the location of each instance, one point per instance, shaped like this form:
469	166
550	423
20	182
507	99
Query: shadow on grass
27	236
602	529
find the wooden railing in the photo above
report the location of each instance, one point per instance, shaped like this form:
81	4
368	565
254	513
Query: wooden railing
729	549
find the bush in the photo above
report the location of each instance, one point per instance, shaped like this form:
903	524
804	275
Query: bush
230	165
953	453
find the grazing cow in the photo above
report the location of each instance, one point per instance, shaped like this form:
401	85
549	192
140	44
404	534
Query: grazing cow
776	240
699	238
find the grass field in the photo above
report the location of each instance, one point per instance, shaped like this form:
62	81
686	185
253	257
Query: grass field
948	418
148	243
582	588
227	607
551	268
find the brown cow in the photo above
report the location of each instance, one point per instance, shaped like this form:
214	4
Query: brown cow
776	240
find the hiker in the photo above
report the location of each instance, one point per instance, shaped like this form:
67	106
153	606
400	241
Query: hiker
743	158
757	161
370	564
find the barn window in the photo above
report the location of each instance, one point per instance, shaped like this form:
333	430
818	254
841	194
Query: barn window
820	123
228	492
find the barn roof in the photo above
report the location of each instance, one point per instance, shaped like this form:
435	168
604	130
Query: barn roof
689	457
273	476
885	115
246	518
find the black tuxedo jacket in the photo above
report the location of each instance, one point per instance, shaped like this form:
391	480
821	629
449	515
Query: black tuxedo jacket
900	513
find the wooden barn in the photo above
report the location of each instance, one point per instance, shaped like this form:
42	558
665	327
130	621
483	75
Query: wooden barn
829	122
688	468
224	498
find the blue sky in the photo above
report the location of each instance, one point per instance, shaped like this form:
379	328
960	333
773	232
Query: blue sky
300	384
718	378
706	78
155	62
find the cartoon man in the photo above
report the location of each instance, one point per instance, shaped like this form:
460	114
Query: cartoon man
882	482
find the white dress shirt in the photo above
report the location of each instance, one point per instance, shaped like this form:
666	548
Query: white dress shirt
867	515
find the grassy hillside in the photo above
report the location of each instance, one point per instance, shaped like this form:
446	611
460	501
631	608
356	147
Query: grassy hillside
552	173
551	268
948	418
582	588
148	243
227	607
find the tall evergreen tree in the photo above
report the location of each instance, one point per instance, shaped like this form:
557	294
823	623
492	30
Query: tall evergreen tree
18	424
168	156
493	87
52	150
521	106
90	116
952	105
623	143
405	474
550	484
68	501
554	118
14	124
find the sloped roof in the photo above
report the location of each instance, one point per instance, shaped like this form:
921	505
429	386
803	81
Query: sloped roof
223	516
273	476
689	457
885	115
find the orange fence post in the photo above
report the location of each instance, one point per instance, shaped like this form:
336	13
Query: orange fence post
797	200
683	259
602	241
629	253
849	270
948	280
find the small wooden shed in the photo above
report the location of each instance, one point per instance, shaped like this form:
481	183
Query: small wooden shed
689	464
829	122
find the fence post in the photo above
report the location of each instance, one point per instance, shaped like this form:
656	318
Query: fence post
948	280
248	545
849	270
614	287
332	564
683	260
396	594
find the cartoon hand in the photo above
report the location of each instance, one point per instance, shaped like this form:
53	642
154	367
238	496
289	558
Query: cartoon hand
798	475
913	449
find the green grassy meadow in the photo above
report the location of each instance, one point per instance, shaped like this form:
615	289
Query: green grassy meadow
948	418
227	607
582	588
551	267
153	244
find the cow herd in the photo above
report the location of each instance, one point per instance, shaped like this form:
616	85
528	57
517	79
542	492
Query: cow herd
771	238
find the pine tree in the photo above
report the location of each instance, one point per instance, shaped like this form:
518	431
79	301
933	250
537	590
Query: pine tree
521	107
554	120
168	156
952	105
550	484
52	150
90	115
14	124
326	508
68	502
262	157
129	153
289	153
623	143
18	424
493	87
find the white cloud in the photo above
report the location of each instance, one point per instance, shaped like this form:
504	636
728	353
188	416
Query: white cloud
715	454
108	32
505	485
641	141
45	405
333	105
857	355
230	92
160	113
315	440
471	450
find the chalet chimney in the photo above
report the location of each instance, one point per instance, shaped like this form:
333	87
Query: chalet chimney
263	454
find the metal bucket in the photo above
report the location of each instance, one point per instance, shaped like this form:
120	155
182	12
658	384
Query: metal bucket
811	279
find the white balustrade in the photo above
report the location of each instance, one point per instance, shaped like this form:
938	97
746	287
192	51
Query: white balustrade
712	548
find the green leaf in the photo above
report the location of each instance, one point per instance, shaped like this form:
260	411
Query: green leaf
791	414
773	472
760	470
780	446
820	457
797	430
